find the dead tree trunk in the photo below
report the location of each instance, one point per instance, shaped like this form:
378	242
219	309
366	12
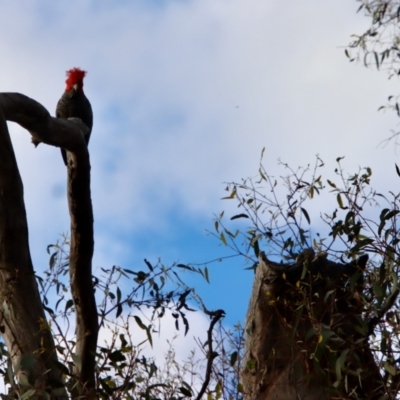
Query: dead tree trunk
80	268
22	319
305	333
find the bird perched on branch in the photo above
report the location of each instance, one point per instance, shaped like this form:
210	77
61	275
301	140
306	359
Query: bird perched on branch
74	103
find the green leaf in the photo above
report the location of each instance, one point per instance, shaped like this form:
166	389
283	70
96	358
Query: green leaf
28	362
61	367
340	202
185	322
107	385
328	293
383	346
183	266
148	333
116	356
349	220
365	59
394	283
139	322
379	291
340	364
304	211
324	337
392	213
185	392
255	245
49	247
376	59
234	357
390	368
149	266
263	177
309	334
28	394
68	304
397	170
186	385
223	240
231	196
119	310
53	260
77	360
206	274
299	312
140	277
23	380
128	271
239	216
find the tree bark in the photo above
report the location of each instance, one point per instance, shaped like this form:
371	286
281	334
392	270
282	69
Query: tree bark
302	317
20	307
23	322
80	267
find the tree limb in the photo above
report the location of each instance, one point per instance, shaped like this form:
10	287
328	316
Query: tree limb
80	266
296	312
31	115
22	319
68	134
211	354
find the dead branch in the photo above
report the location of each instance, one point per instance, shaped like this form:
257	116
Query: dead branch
300	317
68	134
211	354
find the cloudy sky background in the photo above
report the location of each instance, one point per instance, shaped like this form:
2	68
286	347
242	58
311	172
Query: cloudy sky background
185	95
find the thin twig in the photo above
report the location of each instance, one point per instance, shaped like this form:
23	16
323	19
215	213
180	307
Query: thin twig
211	354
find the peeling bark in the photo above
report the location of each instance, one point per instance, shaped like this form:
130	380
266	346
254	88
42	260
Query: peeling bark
26	332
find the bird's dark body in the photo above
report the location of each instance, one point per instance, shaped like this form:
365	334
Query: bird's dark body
75	104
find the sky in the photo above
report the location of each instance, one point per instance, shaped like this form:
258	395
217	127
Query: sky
185	95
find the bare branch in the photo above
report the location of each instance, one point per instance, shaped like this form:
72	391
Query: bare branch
68	134
31	115
211	354
22	319
80	265
296	311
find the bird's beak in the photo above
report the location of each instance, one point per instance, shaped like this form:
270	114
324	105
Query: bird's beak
75	87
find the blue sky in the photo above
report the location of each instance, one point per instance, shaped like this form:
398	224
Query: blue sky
185	95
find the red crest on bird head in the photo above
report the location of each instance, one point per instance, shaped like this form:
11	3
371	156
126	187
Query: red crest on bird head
75	77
